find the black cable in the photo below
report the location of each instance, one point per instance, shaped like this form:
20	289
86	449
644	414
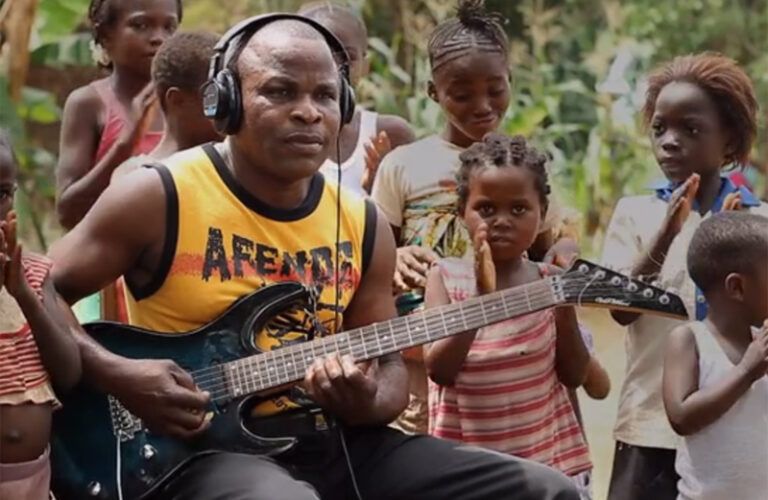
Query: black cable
336	308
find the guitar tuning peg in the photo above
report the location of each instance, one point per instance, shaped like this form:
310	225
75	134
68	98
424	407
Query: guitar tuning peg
664	299
656	283
647	293
600	274
616	281
583	269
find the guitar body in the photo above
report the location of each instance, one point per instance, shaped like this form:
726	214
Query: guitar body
92	430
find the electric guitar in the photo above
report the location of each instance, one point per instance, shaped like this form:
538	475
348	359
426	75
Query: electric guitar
101	450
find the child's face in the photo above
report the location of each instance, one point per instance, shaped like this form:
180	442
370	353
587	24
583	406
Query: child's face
687	133
139	30
474	93
505	199
353	38
7	183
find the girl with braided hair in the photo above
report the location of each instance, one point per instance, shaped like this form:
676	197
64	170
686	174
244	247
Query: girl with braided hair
112	119
504	386
415	186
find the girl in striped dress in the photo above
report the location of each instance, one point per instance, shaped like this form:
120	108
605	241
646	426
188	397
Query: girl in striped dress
37	353
504	386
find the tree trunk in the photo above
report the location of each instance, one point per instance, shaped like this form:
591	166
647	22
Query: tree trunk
17	26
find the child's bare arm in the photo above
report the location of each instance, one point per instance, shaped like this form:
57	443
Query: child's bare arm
571	355
597	383
79	182
52	328
689	408
58	351
444	358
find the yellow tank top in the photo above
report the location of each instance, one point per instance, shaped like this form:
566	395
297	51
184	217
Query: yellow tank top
222	243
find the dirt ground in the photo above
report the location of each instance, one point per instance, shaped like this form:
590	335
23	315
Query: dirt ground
600	416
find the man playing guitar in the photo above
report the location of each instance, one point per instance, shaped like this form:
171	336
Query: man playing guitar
219	221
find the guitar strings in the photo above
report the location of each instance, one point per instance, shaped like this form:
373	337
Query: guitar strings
281	355
432	318
355	342
466	304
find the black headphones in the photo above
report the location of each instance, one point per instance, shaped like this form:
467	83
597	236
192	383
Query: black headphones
222	100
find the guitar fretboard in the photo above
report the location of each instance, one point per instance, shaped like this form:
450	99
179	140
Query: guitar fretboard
289	364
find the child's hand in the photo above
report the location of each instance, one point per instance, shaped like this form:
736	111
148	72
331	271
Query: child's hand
732	202
485	271
13	272
563	253
141	115
374	152
755	360
681	203
411	267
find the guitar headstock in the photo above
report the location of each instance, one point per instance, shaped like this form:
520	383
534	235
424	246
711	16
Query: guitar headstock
590	285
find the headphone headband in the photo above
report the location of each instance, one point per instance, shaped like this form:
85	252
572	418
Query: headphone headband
255	23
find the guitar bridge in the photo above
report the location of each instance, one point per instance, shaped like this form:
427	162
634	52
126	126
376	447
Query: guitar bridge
125	424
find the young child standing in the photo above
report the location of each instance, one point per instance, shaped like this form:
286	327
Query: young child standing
112	119
504	386
415	186
716	370
179	70
109	120
370	135
36	350
701	110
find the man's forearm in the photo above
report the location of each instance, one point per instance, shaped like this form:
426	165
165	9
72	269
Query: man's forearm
99	364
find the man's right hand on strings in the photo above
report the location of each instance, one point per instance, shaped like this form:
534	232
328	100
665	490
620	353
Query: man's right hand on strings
162	394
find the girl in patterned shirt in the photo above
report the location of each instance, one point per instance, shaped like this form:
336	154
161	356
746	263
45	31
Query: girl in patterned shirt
504	386
36	350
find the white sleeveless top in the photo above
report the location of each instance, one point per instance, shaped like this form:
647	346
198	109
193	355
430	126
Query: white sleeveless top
352	169
728	460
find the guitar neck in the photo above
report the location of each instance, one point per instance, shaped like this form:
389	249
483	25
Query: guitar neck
289	364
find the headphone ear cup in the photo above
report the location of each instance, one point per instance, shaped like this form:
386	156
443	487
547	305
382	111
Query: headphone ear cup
346	101
214	103
230	122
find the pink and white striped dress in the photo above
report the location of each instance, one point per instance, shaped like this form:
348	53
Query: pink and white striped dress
507	396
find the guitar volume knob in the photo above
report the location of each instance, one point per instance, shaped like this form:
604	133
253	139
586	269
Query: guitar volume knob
148	452
94	488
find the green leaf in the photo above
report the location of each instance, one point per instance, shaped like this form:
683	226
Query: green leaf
527	120
38	106
380	46
57	18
